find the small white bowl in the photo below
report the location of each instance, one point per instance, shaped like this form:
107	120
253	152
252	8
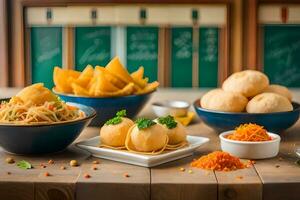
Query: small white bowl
174	108
250	150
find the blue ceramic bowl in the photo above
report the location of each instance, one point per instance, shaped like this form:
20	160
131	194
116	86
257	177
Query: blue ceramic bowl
43	138
224	121
106	107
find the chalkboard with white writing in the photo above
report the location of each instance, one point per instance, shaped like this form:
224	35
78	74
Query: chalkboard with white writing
281	54
181	56
208	56
92	46
142	50
46	53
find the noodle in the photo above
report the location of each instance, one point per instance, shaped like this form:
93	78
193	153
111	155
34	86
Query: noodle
16	111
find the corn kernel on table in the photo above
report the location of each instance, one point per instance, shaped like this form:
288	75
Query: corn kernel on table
277	178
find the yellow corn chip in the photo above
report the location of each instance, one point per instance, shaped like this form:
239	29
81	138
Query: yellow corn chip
127	90
85	76
110	77
78	90
138	74
103	85
116	68
92	88
138	79
63	78
149	88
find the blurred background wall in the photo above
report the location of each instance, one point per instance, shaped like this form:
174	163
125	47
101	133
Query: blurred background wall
181	43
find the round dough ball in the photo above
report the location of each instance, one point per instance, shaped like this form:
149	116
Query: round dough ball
221	100
115	135
249	83
268	103
149	139
176	135
279	89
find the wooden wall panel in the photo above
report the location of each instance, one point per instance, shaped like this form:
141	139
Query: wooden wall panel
17	44
164	57
3	44
236	52
68	48
250	50
224	49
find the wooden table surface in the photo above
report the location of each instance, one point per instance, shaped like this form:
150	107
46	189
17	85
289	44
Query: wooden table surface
276	178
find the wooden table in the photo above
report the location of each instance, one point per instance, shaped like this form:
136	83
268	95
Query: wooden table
277	178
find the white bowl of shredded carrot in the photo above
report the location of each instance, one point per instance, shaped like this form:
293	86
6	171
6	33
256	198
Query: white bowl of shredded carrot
250	141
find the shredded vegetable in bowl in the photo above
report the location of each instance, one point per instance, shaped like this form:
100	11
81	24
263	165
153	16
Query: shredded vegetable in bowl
249	132
21	110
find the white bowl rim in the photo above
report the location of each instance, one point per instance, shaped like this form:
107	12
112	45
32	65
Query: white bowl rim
275	138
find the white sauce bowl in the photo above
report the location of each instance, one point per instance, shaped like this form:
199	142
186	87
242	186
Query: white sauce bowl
250	150
174	108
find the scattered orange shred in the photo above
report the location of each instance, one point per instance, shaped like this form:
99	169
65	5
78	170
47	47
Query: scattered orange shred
250	132
219	161
86	175
47	174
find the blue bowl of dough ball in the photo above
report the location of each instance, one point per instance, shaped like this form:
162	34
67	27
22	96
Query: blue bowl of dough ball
275	122
106	107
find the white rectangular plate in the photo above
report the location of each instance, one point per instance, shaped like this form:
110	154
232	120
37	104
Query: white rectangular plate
92	145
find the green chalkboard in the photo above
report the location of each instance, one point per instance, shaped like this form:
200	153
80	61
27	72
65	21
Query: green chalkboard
282	54
181	57
142	50
46	53
92	46
208	56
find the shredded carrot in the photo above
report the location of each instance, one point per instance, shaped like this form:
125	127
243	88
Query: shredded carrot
219	161
250	132
71	107
51	107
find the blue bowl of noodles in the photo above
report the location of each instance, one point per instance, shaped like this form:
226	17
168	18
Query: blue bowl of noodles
106	107
42	138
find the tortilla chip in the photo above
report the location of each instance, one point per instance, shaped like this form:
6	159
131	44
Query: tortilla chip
85	76
63	78
138	74
78	90
115	67
127	90
149	88
103	85
92	88
138	79
110	77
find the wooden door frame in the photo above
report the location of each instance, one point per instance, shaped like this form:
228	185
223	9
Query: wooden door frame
20	58
250	9
4	76
224	64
